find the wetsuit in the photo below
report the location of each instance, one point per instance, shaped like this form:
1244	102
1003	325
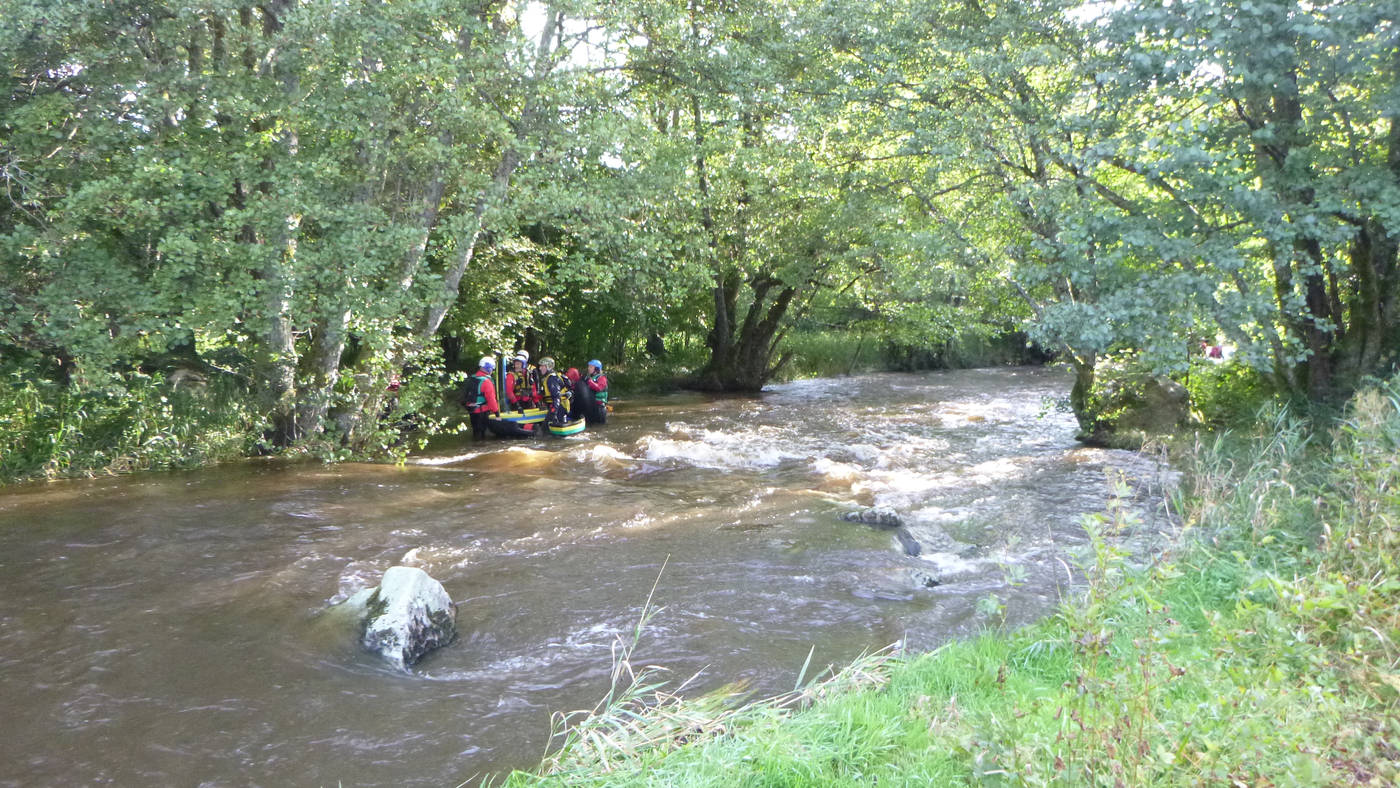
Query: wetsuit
559	396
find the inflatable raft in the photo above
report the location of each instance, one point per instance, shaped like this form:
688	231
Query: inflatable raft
509	429
517	424
568	428
527	416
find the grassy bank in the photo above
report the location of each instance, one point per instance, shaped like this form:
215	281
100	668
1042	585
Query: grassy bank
1261	650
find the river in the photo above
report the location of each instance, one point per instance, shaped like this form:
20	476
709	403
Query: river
172	628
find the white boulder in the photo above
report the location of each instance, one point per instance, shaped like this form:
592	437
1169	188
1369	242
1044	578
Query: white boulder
407	616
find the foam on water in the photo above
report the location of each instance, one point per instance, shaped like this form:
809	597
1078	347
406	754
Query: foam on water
949	566
450	459
602	456
718	450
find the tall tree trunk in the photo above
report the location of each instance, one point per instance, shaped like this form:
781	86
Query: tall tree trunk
279	337
322	373
1372	342
1301	270
486	199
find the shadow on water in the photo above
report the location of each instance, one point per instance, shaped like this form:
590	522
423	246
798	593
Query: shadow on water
174	628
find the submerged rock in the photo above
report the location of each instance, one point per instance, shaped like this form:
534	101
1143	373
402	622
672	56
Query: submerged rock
936	540
914	540
924	579
908	542
407	616
886	519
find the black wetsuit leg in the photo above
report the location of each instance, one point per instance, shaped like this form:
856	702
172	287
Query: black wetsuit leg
479	425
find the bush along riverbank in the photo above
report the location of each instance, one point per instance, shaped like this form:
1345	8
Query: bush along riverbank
1261	650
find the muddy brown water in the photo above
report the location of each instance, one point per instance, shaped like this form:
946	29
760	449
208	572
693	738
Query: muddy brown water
173	628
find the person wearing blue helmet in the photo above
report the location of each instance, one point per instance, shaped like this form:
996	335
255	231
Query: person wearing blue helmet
597	384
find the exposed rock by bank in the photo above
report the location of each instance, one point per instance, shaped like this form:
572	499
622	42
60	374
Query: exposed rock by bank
407	616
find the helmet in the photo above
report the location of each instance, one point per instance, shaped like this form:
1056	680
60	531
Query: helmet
487	363
547	362
596	363
523	355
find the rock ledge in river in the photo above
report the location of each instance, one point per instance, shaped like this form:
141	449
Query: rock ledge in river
879	516
886	519
407	616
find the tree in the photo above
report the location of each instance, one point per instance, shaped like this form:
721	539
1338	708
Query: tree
1288	161
300	186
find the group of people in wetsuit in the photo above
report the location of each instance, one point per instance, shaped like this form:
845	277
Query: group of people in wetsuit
567	396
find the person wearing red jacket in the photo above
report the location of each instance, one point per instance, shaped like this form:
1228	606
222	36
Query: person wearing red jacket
597	385
479	396
522	389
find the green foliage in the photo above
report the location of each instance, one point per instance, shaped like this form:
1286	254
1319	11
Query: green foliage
136	422
829	354
1227	395
318	193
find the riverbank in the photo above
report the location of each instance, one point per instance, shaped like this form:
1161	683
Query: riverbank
1261	650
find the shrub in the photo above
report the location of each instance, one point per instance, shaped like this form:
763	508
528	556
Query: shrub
1228	394
122	423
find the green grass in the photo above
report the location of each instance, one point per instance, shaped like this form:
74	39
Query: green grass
1260	650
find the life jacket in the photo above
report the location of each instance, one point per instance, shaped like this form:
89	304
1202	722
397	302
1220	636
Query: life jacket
566	394
472	397
601	395
523	388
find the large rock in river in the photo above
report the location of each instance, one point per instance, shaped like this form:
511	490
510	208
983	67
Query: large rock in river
407	616
877	517
886	519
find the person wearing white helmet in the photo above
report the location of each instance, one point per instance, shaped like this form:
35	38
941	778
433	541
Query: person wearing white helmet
479	396
522	386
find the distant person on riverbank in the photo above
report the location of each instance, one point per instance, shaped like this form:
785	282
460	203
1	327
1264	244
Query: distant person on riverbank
479	396
558	396
522	388
1216	352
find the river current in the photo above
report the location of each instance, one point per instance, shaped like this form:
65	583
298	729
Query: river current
173	628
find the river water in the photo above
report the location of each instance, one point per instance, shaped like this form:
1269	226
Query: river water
173	628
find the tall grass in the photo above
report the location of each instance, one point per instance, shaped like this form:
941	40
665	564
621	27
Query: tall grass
1261	650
